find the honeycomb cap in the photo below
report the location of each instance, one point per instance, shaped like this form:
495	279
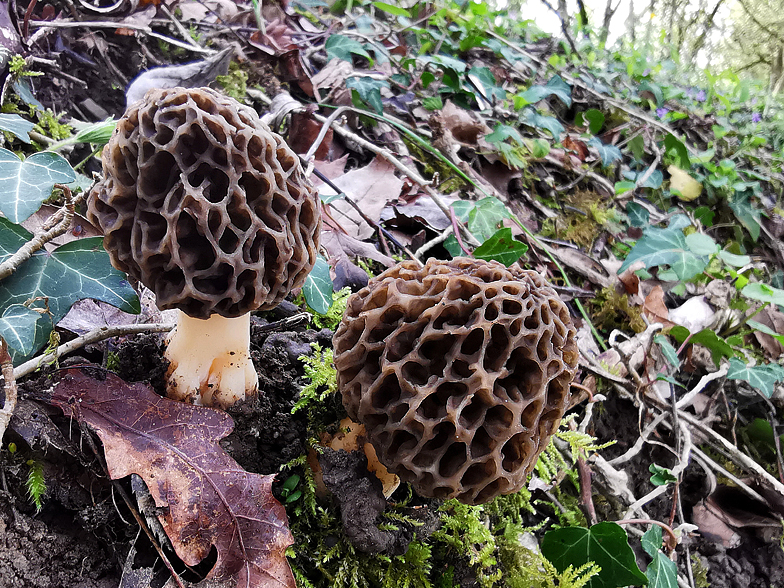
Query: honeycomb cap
460	372
204	205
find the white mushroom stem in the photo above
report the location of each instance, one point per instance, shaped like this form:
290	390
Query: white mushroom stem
209	360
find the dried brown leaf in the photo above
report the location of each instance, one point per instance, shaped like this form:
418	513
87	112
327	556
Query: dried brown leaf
204	497
371	187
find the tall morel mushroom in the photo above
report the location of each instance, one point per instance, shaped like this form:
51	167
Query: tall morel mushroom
460	372
208	208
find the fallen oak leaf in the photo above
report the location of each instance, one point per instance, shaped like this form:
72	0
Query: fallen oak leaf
204	497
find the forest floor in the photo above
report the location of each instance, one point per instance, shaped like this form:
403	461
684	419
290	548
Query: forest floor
724	497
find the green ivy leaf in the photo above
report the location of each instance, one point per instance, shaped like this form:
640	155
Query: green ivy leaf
17	327
767	330
604	544
734	260
556	86
639	216
661	477
672	143
670	354
707	338
666	247
485	218
655	91
763	293
662	571
621	187
318	287
748	216
761	377
15	124
343	47
79	269
433	103
609	153
24	185
637	147
701	244
392	9
501	247
368	90
485	77
593	118
533	119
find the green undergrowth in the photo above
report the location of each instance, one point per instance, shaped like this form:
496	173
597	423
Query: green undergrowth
481	542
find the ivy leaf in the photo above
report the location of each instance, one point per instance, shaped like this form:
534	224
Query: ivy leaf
15	124
609	153
501	247
761	377
767	330
662	571
654	90
734	260
26	184
561	89
639	216
707	338
533	119
485	77
670	354
763	293
593	118
318	287
605	544
652	181
485	217
748	216
343	47
392	9
79	269
368	90
666	247
672	143
540	148
661	477
17	328
701	244
637	147
621	187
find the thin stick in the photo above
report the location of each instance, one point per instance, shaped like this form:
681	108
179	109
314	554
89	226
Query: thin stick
64	24
62	218
93	336
9	387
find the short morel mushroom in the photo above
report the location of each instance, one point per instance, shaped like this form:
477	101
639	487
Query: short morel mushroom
460	372
208	208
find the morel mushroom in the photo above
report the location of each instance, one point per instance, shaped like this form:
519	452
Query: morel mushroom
208	208
460	372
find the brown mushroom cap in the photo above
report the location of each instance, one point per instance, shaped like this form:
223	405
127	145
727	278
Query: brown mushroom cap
204	205
460	372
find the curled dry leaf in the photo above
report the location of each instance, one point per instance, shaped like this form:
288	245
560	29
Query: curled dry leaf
205	498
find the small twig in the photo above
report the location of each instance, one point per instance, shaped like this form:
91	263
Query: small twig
325	126
60	220
65	24
93	336
9	388
456	231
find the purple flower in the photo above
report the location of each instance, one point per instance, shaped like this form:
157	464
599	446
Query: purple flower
661	112
756	117
700	97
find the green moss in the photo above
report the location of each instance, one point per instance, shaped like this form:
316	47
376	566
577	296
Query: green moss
611	310
322	383
36	484
49	125
235	82
699	571
334	315
450	181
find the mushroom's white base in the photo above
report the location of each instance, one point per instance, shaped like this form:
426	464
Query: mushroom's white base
209	360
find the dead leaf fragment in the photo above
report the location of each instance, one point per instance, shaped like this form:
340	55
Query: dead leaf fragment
205	498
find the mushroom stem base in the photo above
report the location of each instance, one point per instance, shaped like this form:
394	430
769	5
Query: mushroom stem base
209	360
